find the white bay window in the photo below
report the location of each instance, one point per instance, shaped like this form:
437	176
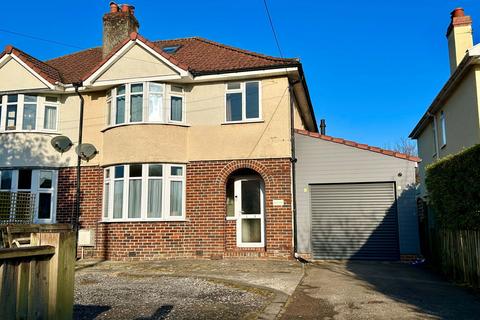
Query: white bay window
144	192
145	102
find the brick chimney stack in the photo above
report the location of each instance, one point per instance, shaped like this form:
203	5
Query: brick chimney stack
118	24
460	38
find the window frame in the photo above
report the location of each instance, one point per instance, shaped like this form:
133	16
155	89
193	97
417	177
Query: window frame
40	107
165	94
243	91
176	94
165	179
37	190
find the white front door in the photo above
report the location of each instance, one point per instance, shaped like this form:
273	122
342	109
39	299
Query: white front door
249	210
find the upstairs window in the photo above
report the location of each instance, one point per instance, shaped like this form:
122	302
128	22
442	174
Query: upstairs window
19	112
145	102
243	101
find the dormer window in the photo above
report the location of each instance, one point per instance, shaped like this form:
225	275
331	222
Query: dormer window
23	112
144	103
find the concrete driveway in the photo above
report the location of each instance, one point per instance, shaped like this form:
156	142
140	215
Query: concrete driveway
376	290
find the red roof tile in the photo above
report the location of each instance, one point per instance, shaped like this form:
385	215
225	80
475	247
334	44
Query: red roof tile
197	55
48	72
358	145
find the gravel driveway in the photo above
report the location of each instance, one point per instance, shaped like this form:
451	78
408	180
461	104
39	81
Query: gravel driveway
103	296
183	289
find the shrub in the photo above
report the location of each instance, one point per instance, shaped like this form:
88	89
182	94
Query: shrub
453	185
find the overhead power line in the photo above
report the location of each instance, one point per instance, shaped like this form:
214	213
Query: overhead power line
273	28
40	39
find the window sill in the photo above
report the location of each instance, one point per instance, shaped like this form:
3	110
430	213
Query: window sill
230	218
145	220
145	123
31	131
243	122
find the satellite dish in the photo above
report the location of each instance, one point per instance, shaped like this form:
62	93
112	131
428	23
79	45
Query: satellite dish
86	151
61	143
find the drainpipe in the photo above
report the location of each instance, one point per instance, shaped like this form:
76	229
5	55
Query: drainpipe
79	160
437	156
293	160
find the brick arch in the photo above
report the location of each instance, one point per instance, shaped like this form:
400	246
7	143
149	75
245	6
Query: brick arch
244	164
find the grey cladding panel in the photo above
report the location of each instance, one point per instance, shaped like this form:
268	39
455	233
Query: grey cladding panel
354	221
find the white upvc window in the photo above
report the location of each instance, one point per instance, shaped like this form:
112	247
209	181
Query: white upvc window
243	101
145	102
144	192
443	125
23	112
176	98
42	183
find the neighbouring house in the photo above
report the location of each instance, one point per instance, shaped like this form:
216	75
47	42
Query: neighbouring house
203	150
452	122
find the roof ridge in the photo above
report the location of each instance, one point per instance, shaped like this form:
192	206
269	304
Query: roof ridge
71	54
252	53
357	145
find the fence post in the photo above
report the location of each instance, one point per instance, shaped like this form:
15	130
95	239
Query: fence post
61	272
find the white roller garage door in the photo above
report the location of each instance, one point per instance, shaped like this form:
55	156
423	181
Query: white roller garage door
354	221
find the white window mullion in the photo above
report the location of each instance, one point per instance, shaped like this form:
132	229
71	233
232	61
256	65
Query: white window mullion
244	101
126	183
3	112
20	103
144	186
127	103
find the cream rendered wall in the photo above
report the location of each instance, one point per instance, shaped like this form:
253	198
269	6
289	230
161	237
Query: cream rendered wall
297	120
136	63
13	76
459	41
211	139
145	143
462	123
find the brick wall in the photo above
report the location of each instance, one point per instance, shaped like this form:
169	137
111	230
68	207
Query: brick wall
204	234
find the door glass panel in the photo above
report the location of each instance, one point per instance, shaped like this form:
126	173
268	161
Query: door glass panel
24	179
6	180
251	197
44	205
251	230
46	179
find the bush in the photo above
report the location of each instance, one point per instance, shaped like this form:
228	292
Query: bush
453	185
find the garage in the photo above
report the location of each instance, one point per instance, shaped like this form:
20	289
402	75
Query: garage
353	201
354	221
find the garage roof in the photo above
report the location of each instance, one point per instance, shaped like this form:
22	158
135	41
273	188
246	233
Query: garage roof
359	145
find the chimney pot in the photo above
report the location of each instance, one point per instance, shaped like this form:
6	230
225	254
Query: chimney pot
323	127
132	10
125	8
457	12
113	7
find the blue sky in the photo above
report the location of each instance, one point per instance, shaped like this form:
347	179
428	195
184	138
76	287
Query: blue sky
372	67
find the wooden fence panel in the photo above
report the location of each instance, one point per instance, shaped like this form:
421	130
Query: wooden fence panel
456	253
37	281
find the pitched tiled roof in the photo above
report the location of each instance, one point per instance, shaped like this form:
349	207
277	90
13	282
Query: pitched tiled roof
48	72
358	145
197	55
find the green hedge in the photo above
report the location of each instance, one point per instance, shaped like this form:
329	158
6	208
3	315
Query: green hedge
453	185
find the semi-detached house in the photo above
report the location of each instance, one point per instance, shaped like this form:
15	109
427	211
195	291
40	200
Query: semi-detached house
194	141
204	150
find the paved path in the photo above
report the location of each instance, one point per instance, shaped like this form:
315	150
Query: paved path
376	290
